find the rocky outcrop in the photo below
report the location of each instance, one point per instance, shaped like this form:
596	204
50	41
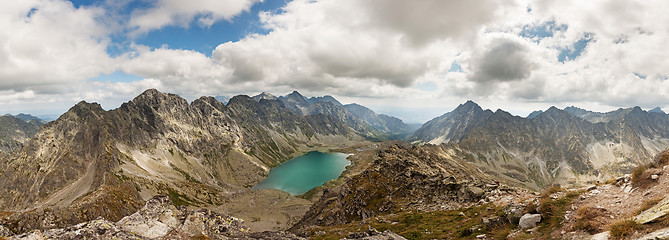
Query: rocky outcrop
373	234
160	219
402	177
659	210
662	234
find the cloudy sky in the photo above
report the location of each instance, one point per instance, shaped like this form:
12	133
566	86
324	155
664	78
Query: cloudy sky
412	59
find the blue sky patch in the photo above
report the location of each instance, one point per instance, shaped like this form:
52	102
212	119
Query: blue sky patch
640	75
576	49
194	37
455	67
538	32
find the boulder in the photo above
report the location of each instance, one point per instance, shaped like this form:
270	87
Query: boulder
513	212
154	220
601	236
659	210
373	234
662	234
529	221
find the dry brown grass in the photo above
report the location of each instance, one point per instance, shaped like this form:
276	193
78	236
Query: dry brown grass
590	219
661	159
647	205
623	229
550	190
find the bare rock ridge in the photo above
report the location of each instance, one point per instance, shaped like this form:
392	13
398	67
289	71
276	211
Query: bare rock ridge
563	146
369	124
91	162
17	130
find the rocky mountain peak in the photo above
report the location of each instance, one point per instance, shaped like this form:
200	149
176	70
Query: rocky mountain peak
84	108
469	106
296	95
264	95
534	114
240	100
573	109
656	110
155	98
326	98
555	114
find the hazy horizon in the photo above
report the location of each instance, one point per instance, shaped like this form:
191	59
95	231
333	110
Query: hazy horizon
408	115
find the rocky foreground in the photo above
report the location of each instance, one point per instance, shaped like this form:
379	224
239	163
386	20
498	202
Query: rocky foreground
160	219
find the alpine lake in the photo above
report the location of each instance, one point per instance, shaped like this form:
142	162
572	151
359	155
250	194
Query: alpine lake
303	173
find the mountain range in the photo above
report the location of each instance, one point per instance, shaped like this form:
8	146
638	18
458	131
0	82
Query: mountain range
553	146
92	163
90	160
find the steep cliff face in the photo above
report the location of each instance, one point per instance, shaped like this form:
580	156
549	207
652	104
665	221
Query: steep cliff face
158	143
553	146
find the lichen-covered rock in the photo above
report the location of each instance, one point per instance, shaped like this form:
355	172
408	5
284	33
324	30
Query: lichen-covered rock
155	219
159	219
662	234
96	229
513	212
529	221
268	236
659	210
5	232
373	234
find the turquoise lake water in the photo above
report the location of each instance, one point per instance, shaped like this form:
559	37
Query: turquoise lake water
303	173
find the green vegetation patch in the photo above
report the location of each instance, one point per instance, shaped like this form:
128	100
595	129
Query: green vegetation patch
185	174
178	199
450	224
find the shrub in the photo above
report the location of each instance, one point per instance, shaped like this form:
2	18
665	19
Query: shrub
661	159
638	172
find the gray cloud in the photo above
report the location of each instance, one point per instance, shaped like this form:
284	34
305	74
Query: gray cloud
422	21
505	60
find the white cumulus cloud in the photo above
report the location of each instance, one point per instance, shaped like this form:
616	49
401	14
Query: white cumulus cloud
182	13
